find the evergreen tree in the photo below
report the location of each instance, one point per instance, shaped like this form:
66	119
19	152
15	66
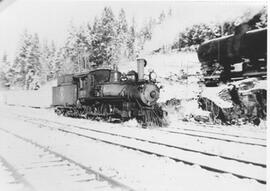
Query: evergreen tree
78	48
27	66
48	61
131	37
161	17
45	61
34	55
59	62
104	43
145	34
169	12
21	60
6	74
122	34
71	49
53	61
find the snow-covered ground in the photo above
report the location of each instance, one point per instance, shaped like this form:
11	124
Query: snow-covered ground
42	170
218	147
138	170
7	180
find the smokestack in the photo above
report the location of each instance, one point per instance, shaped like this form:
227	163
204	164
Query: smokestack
141	63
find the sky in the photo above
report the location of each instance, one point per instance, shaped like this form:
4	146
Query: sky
51	19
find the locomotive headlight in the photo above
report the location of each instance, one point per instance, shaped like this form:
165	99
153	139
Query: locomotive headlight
153	94
153	76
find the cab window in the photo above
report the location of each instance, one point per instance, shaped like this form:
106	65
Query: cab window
102	76
82	83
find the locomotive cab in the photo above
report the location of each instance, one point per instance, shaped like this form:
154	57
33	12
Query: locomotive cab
89	84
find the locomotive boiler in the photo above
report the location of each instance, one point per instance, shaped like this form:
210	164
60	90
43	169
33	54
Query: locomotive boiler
234	57
110	95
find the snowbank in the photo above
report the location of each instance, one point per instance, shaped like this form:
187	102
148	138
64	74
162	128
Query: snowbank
139	170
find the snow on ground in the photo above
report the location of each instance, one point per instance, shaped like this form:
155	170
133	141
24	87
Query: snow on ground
7	181
43	171
218	147
140	171
133	129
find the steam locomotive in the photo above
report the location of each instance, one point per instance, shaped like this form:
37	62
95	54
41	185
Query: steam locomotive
110	95
234	57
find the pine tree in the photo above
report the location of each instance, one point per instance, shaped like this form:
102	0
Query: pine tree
45	62
145	33
78	48
35	53
6	74
122	34
161	17
59	62
108	34
131	38
169	12
104	44
20	62
71	49
48	61
27	66
5	64
53	61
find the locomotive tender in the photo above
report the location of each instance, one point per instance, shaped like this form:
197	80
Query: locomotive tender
234	57
110	95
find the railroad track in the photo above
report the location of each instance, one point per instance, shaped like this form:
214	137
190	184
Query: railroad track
209	161
44	169
225	134
217	136
145	139
11	179
217	130
212	134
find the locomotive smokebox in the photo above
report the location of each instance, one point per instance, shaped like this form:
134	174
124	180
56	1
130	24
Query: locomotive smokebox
141	63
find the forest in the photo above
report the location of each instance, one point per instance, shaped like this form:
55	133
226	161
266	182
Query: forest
103	43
